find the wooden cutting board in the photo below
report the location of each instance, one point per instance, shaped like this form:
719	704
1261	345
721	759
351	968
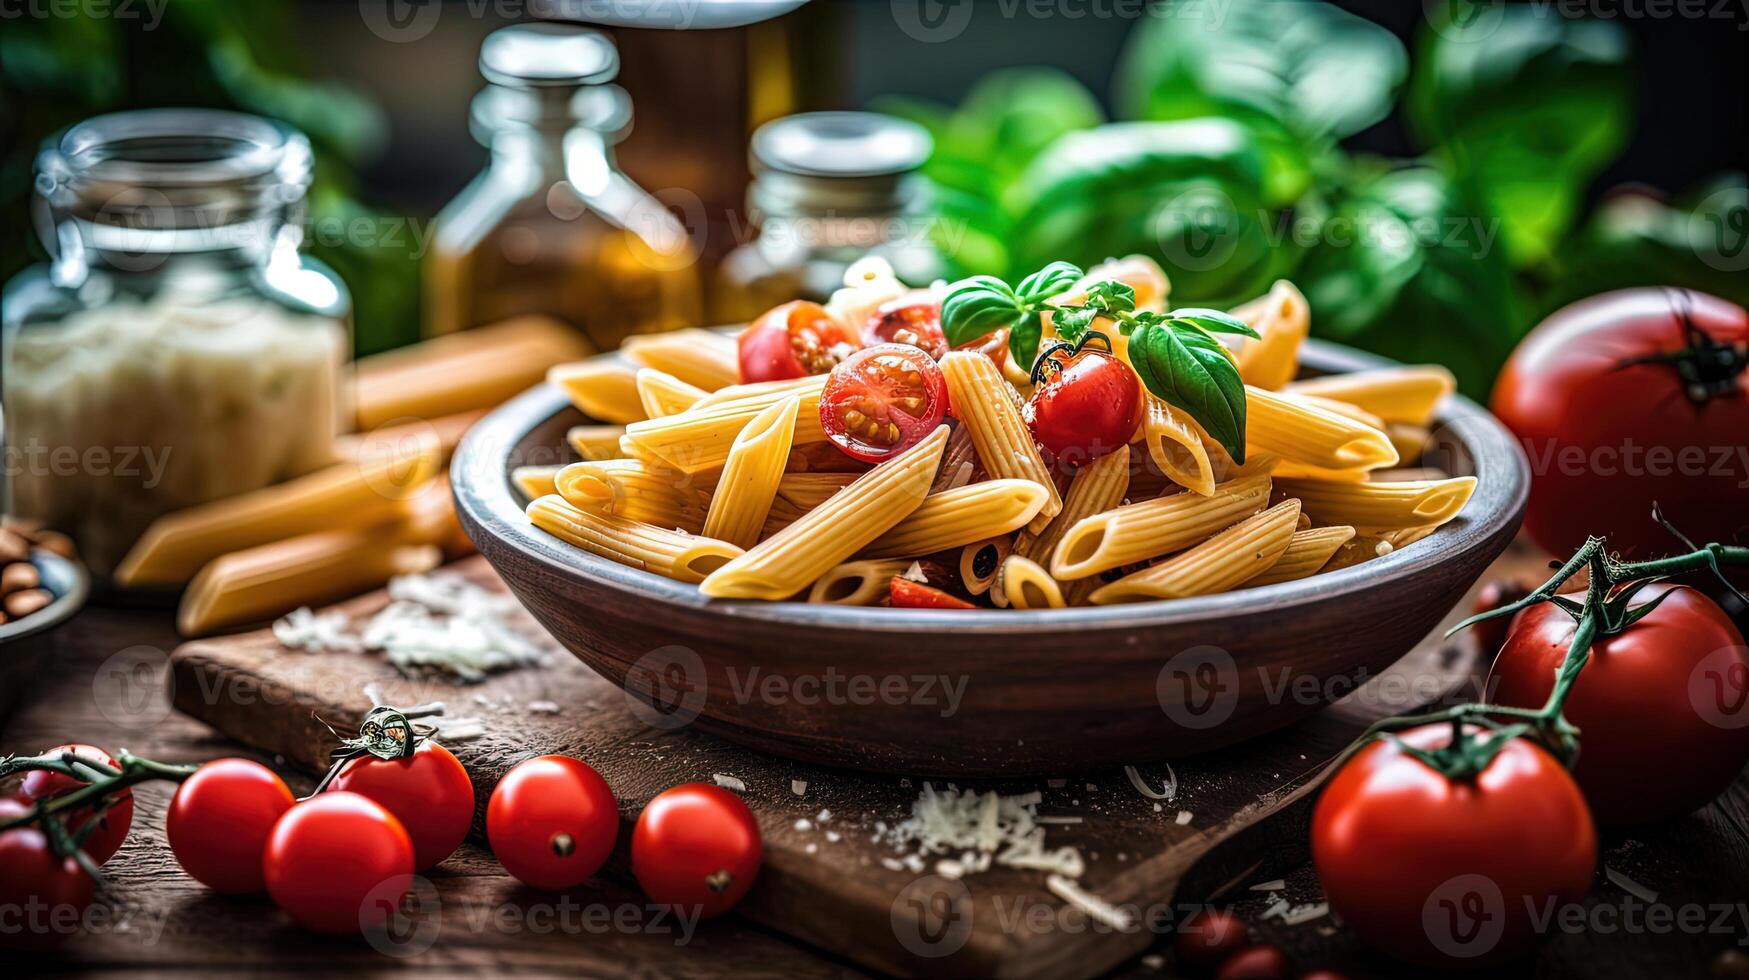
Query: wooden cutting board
828	882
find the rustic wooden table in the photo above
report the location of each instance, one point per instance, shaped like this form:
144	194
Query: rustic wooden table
155	920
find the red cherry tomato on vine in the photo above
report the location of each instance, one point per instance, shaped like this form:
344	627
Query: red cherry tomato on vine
882	401
1256	963
1662	708
914	319
1206	939
696	846
112	826
552	822
43	898
338	863
428	792
789	341
906	594
1440	871
219	822
1626	399
1087	404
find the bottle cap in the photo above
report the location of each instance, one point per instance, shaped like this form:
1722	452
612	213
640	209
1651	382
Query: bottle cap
547	55
840	144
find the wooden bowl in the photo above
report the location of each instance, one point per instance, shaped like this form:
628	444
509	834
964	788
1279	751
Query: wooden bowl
986	693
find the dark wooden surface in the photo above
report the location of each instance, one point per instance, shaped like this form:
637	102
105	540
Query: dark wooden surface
106	684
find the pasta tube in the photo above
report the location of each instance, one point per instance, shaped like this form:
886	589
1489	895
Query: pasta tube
857	583
463	372
1026	585
601	389
750	478
986	405
981	561
1302	433
595	441
701	358
810	490
1305	554
1177	445
1386	506
1283	320
535	481
700	438
790	560
1218	564
957	517
663	394
1399	394
1137	532
674	554
1098	487
635	490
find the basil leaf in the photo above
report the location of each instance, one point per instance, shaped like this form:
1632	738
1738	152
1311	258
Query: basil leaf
1188	369
976	306
1112	295
1048	282
1214	321
1023	338
1071	322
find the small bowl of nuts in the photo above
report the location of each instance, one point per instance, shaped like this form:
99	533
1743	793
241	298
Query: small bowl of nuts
42	585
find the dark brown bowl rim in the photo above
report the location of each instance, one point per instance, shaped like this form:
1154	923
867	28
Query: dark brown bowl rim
58	611
489	505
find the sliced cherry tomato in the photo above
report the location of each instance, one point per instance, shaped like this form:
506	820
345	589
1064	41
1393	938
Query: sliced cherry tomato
696	847
1442	871
43	898
907	594
338	863
882	401
428	792
219	822
792	340
112	826
914	319
1662	707
1087	404
552	822
1207	939
993	345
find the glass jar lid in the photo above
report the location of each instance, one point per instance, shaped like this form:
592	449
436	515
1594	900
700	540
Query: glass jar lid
849	162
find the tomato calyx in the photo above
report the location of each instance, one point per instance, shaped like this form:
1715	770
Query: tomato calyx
386	732
1709	368
1050	364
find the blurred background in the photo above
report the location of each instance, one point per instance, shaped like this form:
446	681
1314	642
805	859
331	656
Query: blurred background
1434	176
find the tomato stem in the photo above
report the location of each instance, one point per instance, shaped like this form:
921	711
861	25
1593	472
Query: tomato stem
101	781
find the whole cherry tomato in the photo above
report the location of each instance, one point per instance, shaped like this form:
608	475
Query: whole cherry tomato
1442	871
696	846
219	822
1662	708
112	826
1255	963
914	318
906	594
1206	939
882	401
43	898
789	341
552	822
1626	399
428	792
1087	404
338	863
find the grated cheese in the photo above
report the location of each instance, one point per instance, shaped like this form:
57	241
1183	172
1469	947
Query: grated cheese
305	630
1302	914
1269	886
915	573
1096	908
1629	885
1184	817
798	786
1005	829
1166	793
727	781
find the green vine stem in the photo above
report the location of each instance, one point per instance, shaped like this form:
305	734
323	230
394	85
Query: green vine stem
101	781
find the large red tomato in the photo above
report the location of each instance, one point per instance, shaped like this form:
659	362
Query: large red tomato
792	340
1445	872
43	898
338	863
696	847
1627	398
112	826
428	792
1662	708
552	821
219	822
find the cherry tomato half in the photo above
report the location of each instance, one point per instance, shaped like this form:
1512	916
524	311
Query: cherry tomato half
1662	708
792	340
914	318
338	863
43	898
1439	871
906	594
552	822
428	792
219	822
112	826
696	846
882	401
1087	405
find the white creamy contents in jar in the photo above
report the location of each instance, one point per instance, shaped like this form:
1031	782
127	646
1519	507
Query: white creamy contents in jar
118	414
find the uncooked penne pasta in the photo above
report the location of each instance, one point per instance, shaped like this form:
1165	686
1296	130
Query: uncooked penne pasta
535	481
700	438
674	554
1178	447
743	495
1305	554
601	388
1283	320
858	583
1381	506
957	517
635	490
662	394
1216	565
849	521
1026	585
595	441
702	358
1140	531
1301	433
987	407
460	373
1398	394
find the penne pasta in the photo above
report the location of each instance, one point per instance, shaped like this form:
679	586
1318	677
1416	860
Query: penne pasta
858	583
1362	548
1138	532
849	521
987	406
1410	441
953	518
700	438
1302	433
460	373
1306	553
810	490
701	358
603	389
981	561
1399	394
1381	506
674	554
1178	446
1283	319
595	441
1097	487
1026	585
1335	407
1216	565
750	479
663	394
535	481
635	490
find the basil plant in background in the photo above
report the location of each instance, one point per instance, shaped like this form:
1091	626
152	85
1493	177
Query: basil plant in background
1228	169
